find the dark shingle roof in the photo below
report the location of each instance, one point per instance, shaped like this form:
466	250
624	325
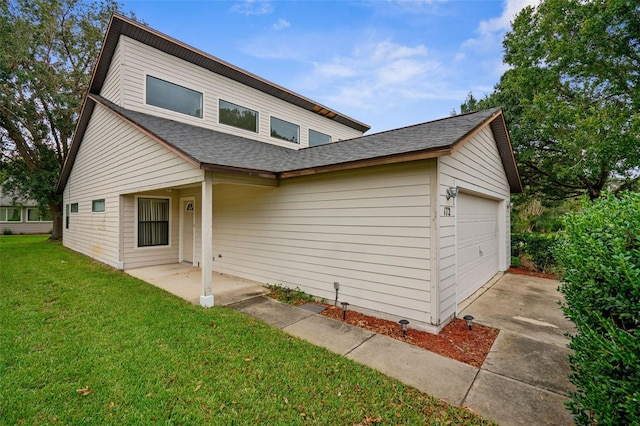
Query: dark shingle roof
206	146
210	149
434	135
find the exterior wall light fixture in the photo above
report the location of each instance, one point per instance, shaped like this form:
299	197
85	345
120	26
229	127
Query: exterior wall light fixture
452	193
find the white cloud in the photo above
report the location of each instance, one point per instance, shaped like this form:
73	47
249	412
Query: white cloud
491	31
378	74
503	22
281	24
484	48
252	7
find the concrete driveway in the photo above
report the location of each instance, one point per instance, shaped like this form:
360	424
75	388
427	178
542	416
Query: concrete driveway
524	378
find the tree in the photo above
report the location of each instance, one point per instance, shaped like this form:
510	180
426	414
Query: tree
571	97
48	49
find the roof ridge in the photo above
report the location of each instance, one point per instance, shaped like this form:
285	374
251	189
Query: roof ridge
409	126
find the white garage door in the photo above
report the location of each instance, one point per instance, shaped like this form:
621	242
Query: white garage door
478	248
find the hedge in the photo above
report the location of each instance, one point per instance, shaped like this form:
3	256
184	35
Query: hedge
538	246
600	253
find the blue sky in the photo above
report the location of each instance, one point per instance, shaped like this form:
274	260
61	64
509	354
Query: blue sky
386	63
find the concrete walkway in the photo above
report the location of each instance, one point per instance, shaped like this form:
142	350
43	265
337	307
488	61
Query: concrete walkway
522	382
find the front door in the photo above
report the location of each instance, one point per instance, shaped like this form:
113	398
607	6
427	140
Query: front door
187	225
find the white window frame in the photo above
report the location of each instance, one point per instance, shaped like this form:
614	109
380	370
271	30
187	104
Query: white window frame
284	121
319	132
135	222
161	76
4	218
39	215
231	126
104	200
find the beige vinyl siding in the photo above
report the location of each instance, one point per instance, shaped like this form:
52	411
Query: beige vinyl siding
112	87
142	60
116	159
476	167
367	229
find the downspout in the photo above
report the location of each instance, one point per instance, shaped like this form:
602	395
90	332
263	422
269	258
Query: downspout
434	182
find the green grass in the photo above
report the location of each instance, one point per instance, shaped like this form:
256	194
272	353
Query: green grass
141	355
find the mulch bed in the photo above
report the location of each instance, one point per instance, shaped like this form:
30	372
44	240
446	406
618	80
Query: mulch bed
455	340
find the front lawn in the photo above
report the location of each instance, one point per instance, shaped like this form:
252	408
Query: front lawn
81	343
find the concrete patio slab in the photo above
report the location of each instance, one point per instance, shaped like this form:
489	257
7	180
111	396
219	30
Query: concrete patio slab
185	281
336	336
428	372
511	402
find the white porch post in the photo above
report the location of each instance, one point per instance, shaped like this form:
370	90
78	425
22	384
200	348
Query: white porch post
206	299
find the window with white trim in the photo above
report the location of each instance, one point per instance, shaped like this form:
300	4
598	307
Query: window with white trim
10	214
34	214
98	206
237	116
284	130
173	97
153	222
316	138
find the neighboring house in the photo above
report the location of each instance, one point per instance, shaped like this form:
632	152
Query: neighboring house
181	157
22	216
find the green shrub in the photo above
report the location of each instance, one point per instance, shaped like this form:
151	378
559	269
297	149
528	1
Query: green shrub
7	231
537	246
600	253
515	261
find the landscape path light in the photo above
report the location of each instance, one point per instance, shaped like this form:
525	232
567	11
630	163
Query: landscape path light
405	325
345	306
469	320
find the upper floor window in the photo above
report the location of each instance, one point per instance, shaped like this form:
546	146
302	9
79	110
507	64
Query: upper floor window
173	97
284	130
238	116
317	138
74	208
10	214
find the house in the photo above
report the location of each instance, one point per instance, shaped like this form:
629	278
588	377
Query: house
19	215
181	157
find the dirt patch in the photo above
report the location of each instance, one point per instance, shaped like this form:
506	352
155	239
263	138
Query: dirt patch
525	271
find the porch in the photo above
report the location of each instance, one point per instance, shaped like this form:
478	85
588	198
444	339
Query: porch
185	281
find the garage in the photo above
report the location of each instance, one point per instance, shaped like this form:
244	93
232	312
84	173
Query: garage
477	244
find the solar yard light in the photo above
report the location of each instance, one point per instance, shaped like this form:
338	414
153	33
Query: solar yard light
287	293
469	320
405	325
345	306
